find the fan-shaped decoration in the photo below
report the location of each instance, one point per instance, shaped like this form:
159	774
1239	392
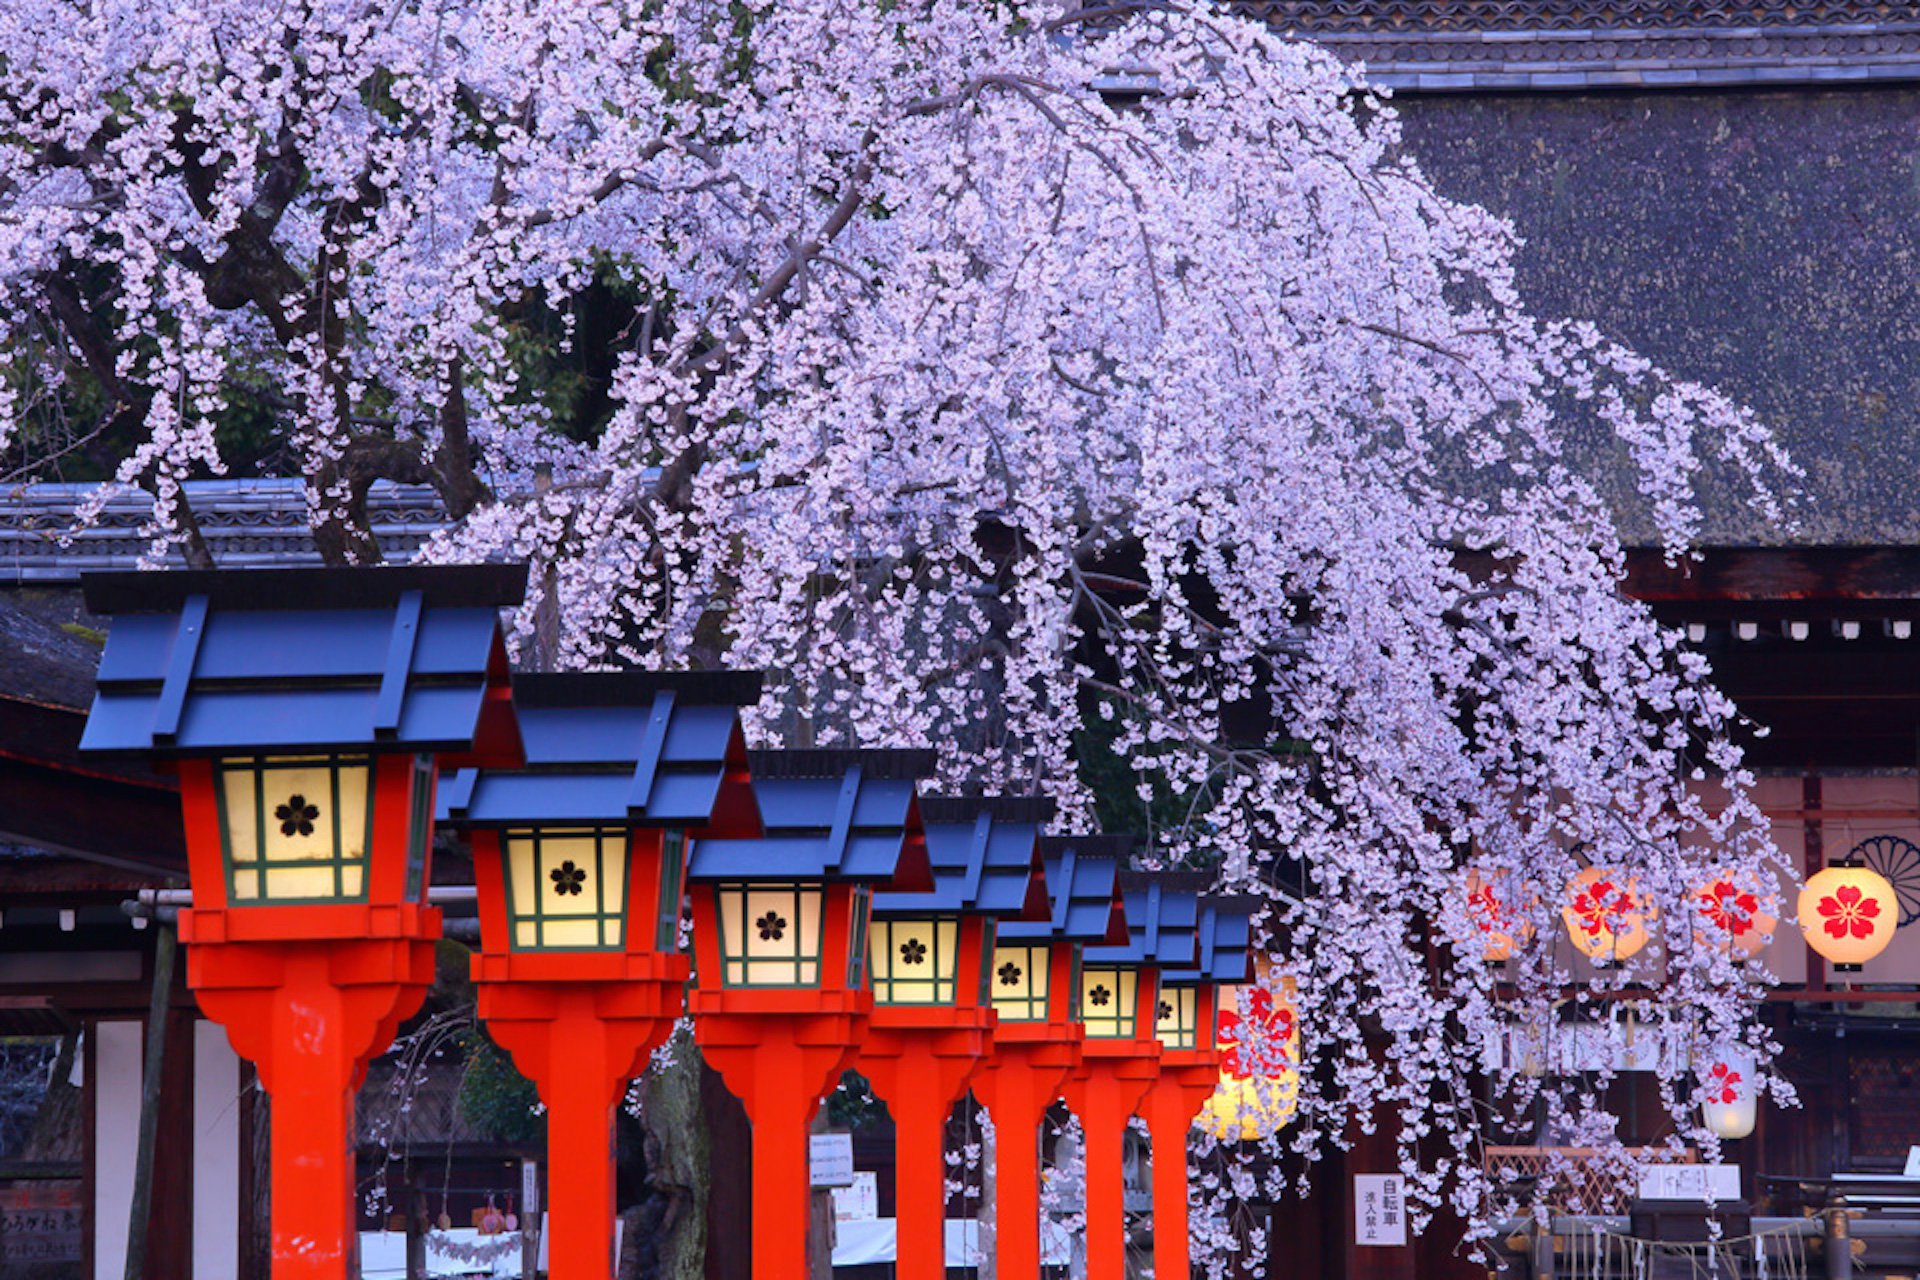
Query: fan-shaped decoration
1899	861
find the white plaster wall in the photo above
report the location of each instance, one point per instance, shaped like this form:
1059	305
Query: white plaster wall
216	1153
118	1048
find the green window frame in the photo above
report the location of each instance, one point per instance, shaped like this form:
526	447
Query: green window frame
771	934
1017	996
264	832
566	888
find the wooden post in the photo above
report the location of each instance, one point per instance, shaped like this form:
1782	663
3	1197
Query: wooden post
150	1082
1838	1245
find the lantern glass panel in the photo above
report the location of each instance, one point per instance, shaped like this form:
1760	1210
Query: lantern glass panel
296	828
1179	1009
1020	981
915	961
420	827
567	889
857	957
673	861
770	934
1107	1000
990	928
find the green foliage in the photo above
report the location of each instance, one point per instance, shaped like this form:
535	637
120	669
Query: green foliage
853	1104
496	1099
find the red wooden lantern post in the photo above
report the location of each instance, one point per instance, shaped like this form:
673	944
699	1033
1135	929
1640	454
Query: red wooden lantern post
931	958
579	869
1120	1008
1189	1067
307	713
1037	1039
780	940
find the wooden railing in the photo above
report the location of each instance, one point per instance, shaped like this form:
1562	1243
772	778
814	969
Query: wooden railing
1580	1180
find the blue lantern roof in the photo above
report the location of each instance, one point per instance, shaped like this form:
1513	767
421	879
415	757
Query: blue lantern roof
1226	941
828	815
1163	920
207	663
1082	876
617	749
985	854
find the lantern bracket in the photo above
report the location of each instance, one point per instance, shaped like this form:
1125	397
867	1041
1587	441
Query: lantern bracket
843	816
186	651
652	745
393	681
977	854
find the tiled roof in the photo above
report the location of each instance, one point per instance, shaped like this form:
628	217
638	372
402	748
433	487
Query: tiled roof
1492	45
248	524
1572	15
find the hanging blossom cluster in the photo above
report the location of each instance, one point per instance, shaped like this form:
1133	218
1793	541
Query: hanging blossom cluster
1062	395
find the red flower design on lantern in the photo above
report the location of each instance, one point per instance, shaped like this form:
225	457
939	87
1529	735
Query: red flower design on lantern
1600	907
1721	1085
1729	908
1486	910
1847	911
1265	1032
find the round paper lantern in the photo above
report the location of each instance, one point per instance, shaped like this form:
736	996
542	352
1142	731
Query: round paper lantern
1733	917
1849	915
1493	916
1259	1056
1606	916
1730	1104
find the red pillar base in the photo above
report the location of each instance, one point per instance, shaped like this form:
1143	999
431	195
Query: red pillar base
1112	1081
920	1066
580	1043
310	1015
1016	1085
1170	1107
780	1059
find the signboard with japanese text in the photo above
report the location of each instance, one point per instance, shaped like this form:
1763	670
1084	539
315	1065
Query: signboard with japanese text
830	1159
859	1202
39	1225
1379	1209
1690	1182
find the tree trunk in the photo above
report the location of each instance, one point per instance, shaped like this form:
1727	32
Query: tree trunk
667	1236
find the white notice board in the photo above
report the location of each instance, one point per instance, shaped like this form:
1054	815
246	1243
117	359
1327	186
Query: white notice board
830	1159
1379	1209
1690	1182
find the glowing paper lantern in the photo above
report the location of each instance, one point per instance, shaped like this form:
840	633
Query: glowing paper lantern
1733	917
1494	917
1730	1103
1259	1075
1606	916
1849	915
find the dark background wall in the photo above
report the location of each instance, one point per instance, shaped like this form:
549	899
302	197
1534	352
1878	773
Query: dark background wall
1765	243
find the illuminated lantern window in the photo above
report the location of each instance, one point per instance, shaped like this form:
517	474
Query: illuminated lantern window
915	961
1020	981
1732	916
295	828
1848	915
1259	1085
1178	1026
1729	1096
1108	996
1605	915
566	888
770	934
1493	916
